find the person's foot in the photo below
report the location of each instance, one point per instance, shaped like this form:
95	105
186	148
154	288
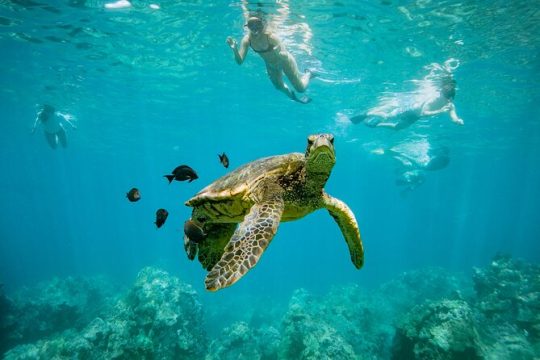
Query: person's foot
312	74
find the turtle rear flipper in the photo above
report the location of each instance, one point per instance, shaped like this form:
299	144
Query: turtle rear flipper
249	240
349	227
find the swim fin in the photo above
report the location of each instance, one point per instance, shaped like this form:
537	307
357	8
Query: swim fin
302	100
358	118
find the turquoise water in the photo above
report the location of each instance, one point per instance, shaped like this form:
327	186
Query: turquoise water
155	88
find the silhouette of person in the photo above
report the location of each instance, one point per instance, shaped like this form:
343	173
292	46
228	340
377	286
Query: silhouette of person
53	125
435	95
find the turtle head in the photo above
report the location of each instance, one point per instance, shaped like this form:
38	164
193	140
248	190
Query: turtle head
320	155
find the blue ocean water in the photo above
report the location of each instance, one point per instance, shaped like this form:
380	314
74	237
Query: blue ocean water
155	88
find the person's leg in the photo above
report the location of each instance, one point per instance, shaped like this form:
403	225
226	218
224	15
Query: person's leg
387	125
62	137
404	120
277	80
51	139
290	68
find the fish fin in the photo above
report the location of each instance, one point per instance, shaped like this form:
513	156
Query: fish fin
169	177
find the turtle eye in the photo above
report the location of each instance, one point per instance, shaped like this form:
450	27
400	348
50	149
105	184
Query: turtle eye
331	138
311	140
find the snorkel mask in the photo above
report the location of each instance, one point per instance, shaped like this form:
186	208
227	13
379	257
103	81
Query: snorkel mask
255	25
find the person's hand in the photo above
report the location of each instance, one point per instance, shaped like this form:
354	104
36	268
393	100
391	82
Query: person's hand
231	42
459	121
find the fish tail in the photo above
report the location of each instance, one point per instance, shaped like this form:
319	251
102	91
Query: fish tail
169	177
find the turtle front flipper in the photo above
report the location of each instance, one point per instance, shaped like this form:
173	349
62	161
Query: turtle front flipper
349	227
249	240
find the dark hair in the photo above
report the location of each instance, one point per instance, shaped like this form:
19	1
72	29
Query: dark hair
48	108
46	111
448	88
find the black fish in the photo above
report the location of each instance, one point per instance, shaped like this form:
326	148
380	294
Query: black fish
161	217
224	160
134	195
194	231
182	173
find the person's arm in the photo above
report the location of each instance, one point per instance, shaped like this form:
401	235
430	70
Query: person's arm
239	54
435	112
245	10
453	115
36	122
67	118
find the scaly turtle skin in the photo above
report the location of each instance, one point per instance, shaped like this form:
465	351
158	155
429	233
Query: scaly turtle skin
258	196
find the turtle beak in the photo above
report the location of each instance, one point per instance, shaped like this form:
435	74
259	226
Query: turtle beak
322	151
323	141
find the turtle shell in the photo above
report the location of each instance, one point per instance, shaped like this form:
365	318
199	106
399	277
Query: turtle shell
240	182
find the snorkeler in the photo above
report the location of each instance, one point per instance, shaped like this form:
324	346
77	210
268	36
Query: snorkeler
409	180
435	96
417	153
277	59
53	127
415	157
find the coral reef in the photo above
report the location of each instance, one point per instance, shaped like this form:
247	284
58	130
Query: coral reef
423	314
362	318
442	330
415	287
367	320
499	321
159	318
307	336
50	308
8	323
237	341
508	301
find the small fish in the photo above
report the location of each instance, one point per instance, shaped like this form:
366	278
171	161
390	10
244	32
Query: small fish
161	217
224	160
182	173
193	231
134	195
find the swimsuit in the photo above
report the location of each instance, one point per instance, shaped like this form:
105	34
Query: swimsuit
268	49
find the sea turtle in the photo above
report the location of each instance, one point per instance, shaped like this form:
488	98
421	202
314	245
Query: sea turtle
258	196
